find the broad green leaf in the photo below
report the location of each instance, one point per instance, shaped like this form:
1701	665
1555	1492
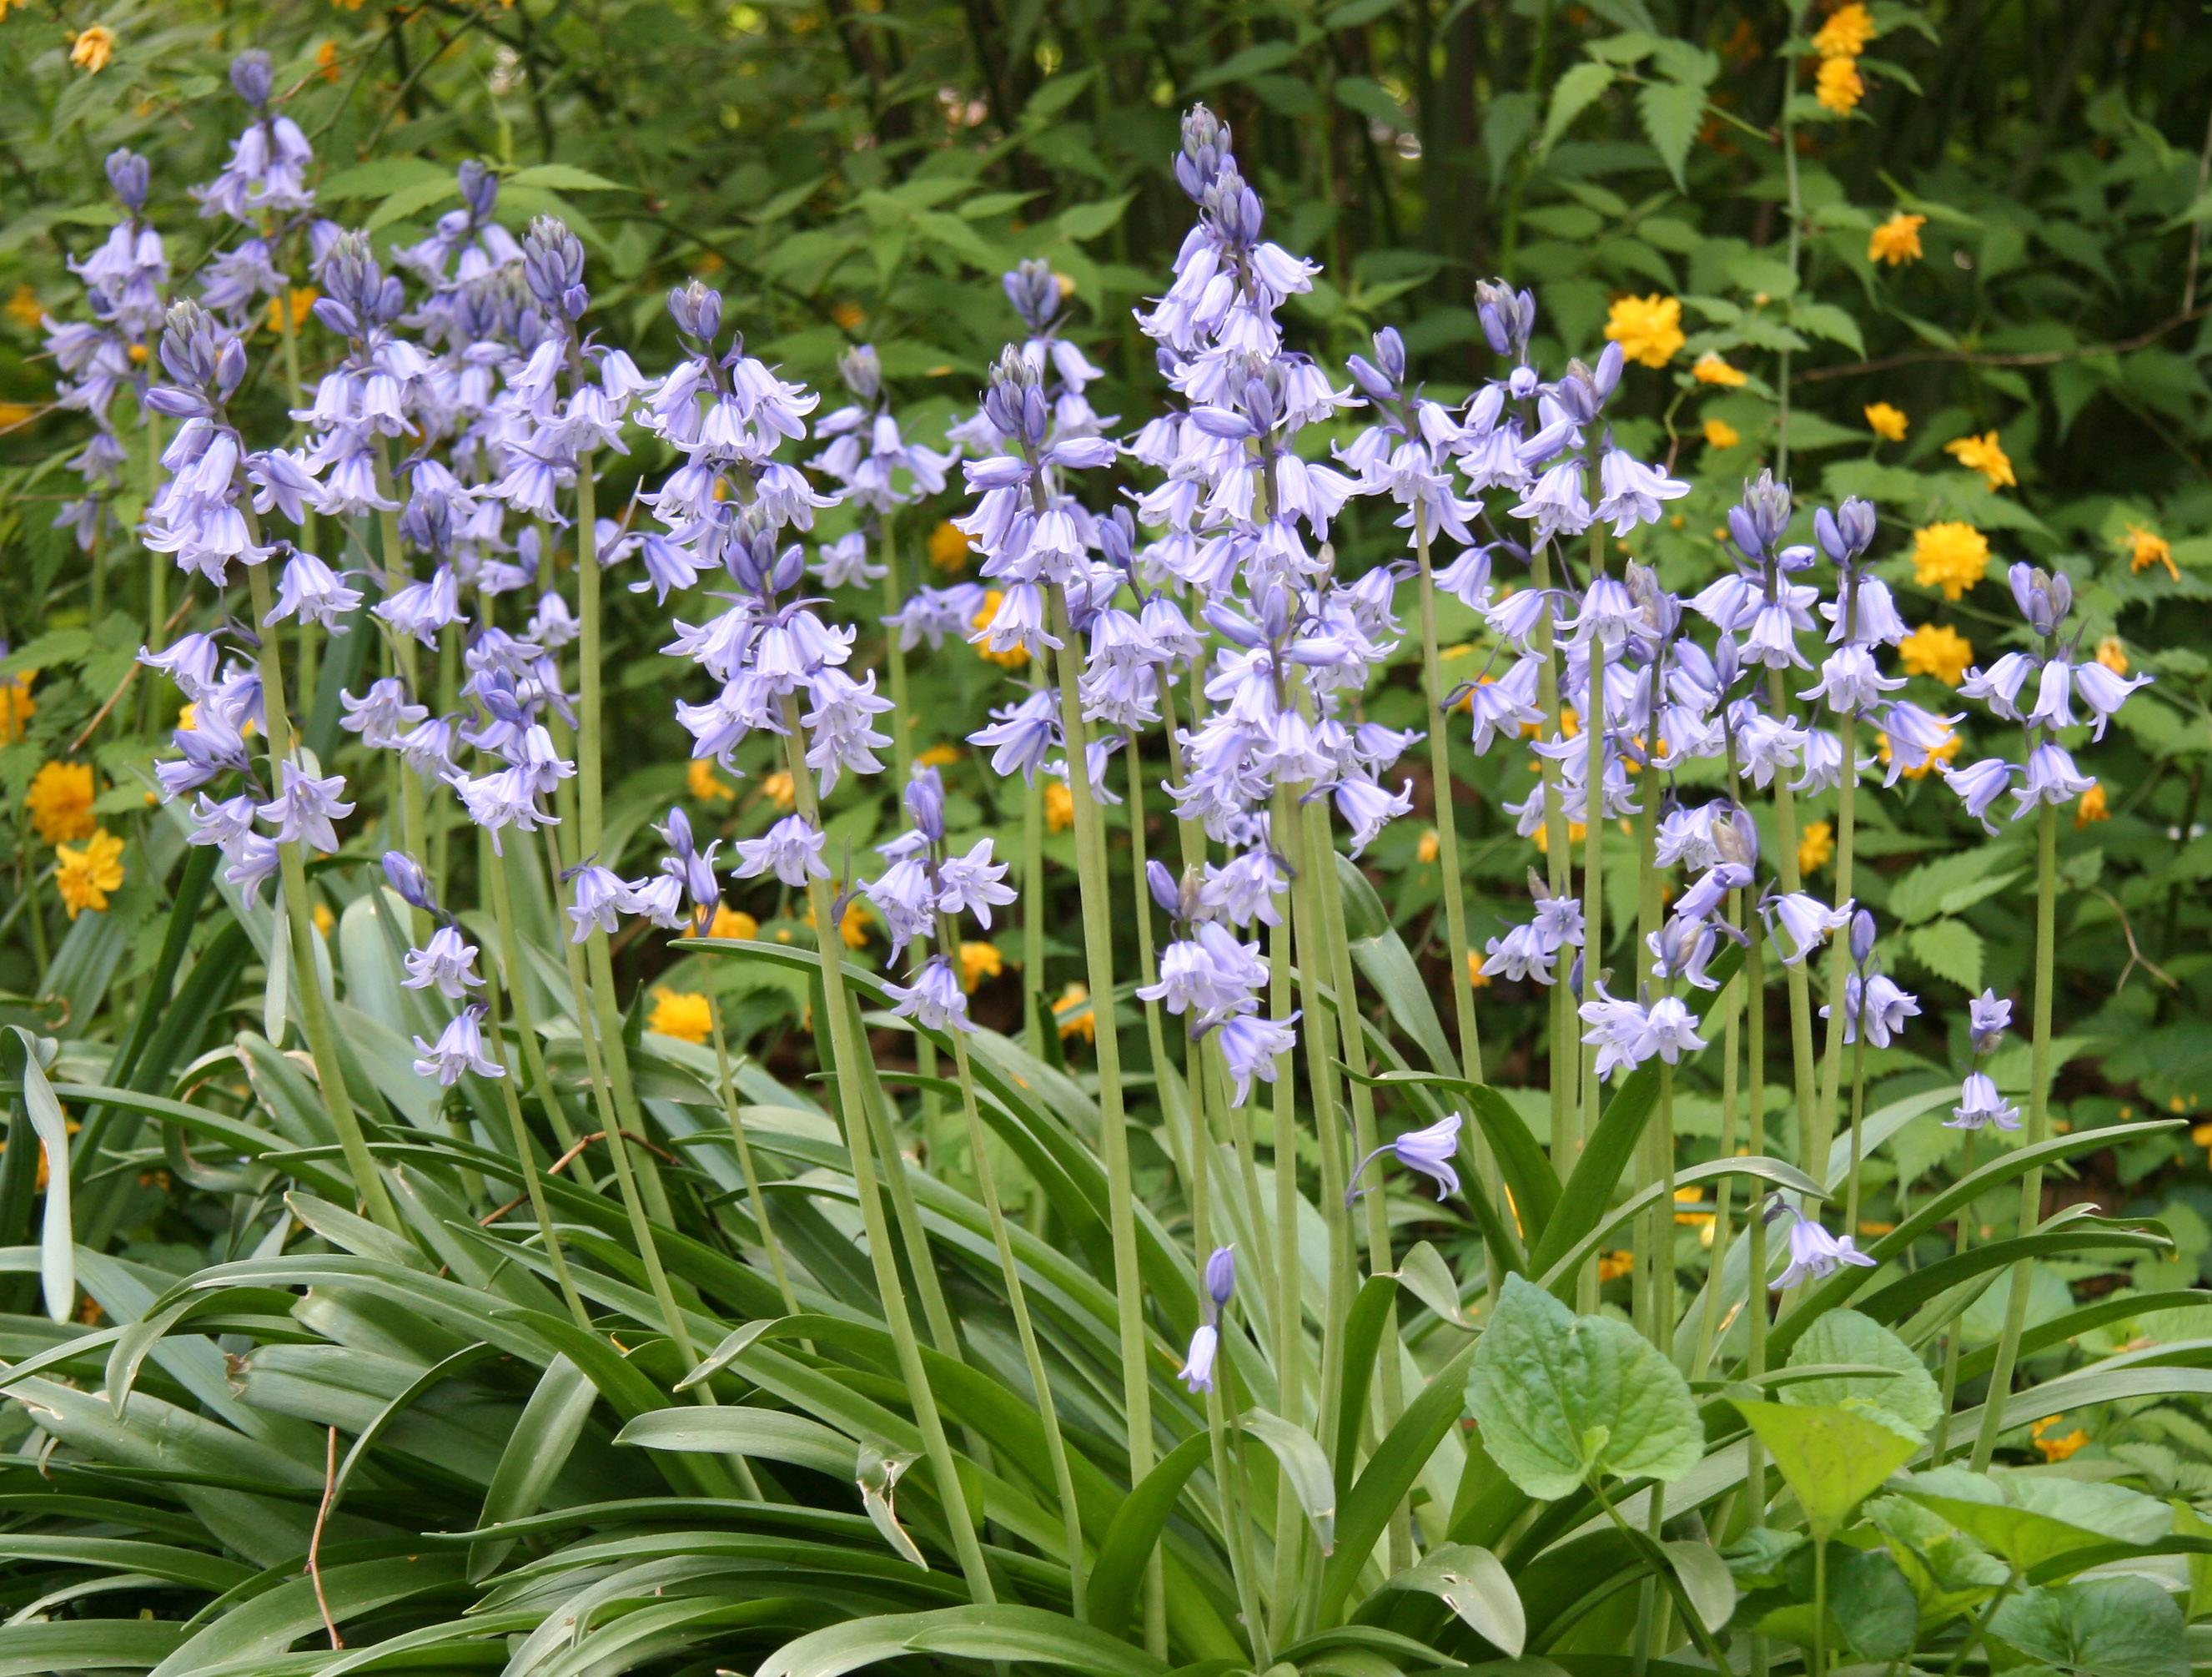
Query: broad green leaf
1088	221
731	1429
19	1055
2033	1519
1912	1399
1950	950
1832	1458
1706	1579
1304	1466
535	1451
2098	1627
1475	1585
1023	1635
565	178
1562	1398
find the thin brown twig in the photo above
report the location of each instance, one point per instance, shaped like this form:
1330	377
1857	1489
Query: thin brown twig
2141	340
561	1163
129	676
2136	956
315	1542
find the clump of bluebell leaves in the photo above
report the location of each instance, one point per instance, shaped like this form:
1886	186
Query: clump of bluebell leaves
1175	594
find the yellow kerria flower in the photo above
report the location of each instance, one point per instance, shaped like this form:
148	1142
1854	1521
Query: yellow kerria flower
323	918
1839	86
91	48
683	1015
84	877
732	923
1648	329
60	801
853	927
25	309
1897	241
847	315
704	785
948	546
2057	1450
1943	754
1059	805
303	304
1612	1265
1719	434
782	790
2113	655
1816	847
1577	831
1951	556
2092	807
1476	978
979	961
326	61
1709	368
938	757
1428	848
1937	650
1886	422
1983	455
1845	35
1013	657
2146	548
17	707
1074	1016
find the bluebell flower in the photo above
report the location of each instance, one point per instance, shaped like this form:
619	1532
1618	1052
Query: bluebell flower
448	961
1251	1048
1799	924
1989	1017
1197	1371
459	1050
934	998
405	876
596	898
1980	785
1877	1004
791	850
1428	1150
2051	778
305	807
1981	1106
1815	1255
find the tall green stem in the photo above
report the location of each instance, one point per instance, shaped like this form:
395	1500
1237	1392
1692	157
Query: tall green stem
846	1057
1097	895
314	1016
1448	857
987	1187
2038	1130
725	1081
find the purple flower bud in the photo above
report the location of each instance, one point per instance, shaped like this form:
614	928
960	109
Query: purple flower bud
1862	937
127	172
250	78
407	878
479	189
697	309
1221	1275
924	802
1607	374
1162	884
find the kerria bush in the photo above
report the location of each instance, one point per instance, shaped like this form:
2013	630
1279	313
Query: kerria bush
1223	1312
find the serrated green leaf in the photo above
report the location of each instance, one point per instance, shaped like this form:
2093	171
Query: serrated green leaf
1825	319
1561	1397
1575	93
1950	950
1672	112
